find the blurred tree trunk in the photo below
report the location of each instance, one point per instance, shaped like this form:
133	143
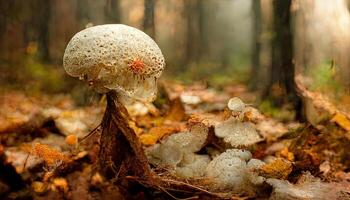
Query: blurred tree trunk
194	13
281	87
35	18
112	11
42	18
3	17
202	31
31	20
256	43
148	19
13	15
3	22
82	12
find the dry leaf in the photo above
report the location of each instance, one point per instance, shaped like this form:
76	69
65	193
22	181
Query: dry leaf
60	184
278	168
156	133
176	111
39	187
342	121
285	153
49	155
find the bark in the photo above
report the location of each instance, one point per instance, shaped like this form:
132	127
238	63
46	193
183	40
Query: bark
33	20
3	18
121	152
256	44
195	37
202	33
149	16
82	12
3	23
282	69
112	11
42	20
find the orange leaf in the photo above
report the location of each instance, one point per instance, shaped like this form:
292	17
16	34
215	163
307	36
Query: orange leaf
156	133
342	121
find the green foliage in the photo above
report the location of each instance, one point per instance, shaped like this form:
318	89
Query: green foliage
267	108
216	74
42	76
30	74
283	114
324	80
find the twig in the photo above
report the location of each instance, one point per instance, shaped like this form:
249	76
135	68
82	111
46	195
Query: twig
172	196
25	162
91	133
177	183
190	185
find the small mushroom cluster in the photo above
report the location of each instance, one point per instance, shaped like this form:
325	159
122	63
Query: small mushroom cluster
178	152
234	131
233	169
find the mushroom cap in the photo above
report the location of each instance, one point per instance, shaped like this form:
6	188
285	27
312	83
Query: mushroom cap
235	104
115	57
236	133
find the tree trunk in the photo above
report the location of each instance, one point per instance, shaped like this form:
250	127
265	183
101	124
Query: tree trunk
3	23
36	25
148	19
203	45
112	11
256	44
41	18
3	18
190	35
194	12
281	87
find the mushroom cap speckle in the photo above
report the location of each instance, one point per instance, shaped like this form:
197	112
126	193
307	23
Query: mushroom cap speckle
115	57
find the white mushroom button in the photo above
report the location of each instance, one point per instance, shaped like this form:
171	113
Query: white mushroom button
235	104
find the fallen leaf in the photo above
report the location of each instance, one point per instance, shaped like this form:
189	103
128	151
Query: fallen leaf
342	121
156	133
285	153
176	111
60	184
39	187
279	168
49	155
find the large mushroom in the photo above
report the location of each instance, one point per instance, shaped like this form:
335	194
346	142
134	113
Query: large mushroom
124	63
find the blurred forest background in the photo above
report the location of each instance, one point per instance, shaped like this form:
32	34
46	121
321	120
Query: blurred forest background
260	43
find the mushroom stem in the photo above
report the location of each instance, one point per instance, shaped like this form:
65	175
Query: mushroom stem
121	152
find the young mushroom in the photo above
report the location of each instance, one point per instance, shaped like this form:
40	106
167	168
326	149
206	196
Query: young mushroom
236	105
124	63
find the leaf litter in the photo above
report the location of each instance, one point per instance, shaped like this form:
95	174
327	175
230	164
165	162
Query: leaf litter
198	142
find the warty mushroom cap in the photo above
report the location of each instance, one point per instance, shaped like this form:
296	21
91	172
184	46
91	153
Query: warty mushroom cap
115	57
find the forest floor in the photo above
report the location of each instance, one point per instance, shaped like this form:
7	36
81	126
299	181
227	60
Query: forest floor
44	153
